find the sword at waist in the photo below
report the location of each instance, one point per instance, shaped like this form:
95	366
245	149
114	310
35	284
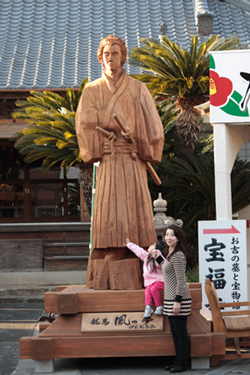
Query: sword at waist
127	134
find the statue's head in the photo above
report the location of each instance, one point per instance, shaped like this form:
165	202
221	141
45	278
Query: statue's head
111	40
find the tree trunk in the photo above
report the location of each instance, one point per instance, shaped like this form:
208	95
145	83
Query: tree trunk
188	122
184	147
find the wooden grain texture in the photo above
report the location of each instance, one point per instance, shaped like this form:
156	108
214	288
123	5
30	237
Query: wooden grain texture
218	343
101	274
196	298
51	235
125	274
118	346
58	301
65	264
120	322
201	344
91	300
42	348
66	301
238	333
107	346
43	326
25	346
241	323
70	325
123	205
111	300
70	342
50	304
94	346
59	288
64	326
234	327
197	323
21	254
115	269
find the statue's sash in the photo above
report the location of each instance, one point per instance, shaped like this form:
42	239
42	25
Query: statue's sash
114	98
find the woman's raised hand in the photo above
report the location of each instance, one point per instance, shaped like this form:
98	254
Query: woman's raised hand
151	249
155	254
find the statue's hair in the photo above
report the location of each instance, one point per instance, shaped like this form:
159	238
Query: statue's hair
111	40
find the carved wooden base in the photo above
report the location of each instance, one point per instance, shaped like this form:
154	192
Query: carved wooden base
65	338
125	274
114	271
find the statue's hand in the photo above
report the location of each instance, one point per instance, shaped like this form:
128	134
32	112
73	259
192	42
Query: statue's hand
127	240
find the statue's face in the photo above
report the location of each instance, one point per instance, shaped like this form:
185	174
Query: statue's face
112	57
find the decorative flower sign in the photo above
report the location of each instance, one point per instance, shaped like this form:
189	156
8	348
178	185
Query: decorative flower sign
223	95
220	89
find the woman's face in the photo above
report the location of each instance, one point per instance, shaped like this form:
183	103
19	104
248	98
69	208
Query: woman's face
170	238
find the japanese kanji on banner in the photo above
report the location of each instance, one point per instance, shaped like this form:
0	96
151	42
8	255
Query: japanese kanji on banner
223	259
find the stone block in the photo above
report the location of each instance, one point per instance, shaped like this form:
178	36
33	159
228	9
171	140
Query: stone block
44	366
200	363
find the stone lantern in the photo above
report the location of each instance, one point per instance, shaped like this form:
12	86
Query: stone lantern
161	221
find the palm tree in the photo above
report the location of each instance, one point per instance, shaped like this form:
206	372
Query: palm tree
181	75
168	114
240	185
188	185
51	136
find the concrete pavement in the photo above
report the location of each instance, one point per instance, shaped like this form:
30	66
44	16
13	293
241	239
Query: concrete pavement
16	320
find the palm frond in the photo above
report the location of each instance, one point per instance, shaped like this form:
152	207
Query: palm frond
52	134
182	74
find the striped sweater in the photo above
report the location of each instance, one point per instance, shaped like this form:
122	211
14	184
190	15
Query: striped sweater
175	286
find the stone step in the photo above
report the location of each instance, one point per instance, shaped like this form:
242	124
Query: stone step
26	290
19	299
24	293
31	286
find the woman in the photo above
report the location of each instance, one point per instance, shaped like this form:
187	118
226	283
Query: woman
177	297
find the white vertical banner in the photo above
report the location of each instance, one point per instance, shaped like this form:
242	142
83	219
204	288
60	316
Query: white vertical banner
223	259
95	170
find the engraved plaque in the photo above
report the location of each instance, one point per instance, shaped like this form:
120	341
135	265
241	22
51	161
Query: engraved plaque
119	321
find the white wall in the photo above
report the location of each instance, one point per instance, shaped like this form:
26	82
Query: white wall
228	139
245	214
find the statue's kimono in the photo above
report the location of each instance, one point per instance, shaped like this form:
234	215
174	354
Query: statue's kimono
122	205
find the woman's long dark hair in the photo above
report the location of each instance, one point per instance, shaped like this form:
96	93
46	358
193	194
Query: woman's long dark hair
151	263
181	244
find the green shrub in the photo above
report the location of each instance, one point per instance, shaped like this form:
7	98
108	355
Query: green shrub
192	275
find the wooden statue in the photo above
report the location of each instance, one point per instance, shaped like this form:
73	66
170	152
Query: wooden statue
117	124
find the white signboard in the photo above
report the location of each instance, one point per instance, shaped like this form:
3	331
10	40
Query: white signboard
223	259
230	87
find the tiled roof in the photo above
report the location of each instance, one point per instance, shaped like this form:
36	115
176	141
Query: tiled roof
230	20
53	43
